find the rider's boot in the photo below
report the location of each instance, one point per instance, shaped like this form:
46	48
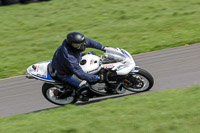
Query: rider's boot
82	94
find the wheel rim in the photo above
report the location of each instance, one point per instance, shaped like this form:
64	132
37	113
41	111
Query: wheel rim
145	82
52	97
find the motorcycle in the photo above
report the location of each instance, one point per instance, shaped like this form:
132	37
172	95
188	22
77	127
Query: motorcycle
116	64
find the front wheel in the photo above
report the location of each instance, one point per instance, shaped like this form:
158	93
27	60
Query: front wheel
139	82
56	95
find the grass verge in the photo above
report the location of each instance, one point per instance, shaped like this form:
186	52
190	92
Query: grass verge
174	111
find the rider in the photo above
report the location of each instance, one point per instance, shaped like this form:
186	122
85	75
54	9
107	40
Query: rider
67	57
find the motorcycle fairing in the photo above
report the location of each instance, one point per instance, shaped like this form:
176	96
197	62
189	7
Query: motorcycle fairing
90	63
127	54
135	70
39	71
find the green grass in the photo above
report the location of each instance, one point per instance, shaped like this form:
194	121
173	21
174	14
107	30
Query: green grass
31	33
172	111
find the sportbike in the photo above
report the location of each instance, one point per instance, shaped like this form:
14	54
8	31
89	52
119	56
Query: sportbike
116	64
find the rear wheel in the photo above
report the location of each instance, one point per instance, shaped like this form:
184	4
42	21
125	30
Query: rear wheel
139	82
56	95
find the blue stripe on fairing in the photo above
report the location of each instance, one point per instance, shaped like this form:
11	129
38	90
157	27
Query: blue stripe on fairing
48	77
126	53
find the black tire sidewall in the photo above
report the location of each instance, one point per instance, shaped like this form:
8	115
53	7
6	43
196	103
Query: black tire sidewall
45	87
148	76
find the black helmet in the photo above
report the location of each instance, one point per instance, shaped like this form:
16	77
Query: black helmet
76	40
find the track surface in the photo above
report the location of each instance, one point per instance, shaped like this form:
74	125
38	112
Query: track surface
171	68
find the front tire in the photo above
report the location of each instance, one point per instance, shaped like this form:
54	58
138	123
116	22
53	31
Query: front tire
139	82
48	91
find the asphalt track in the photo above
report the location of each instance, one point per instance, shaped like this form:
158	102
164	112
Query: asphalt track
171	68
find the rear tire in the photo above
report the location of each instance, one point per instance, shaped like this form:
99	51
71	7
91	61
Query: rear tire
147	81
47	91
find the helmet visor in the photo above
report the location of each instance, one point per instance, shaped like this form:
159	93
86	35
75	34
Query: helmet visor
78	45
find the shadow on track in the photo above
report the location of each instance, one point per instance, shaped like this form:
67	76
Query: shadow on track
94	100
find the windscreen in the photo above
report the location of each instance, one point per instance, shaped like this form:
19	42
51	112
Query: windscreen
114	55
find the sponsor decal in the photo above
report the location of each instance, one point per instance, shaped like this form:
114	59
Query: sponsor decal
108	66
43	78
41	75
91	62
35	67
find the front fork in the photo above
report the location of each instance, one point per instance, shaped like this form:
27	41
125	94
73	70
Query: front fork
135	70
133	80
